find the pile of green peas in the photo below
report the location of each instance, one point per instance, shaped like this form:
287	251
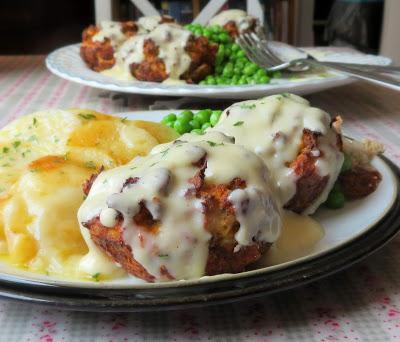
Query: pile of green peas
189	122
336	198
232	67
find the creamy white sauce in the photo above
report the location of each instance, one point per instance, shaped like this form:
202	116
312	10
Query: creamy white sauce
273	127
162	185
171	41
149	23
242	20
111	30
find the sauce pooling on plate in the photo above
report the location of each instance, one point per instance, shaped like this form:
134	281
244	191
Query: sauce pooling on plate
273	127
165	183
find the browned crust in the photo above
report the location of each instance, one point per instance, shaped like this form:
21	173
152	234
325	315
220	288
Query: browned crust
87	185
100	55
309	184
152	69
220	222
359	182
233	30
111	242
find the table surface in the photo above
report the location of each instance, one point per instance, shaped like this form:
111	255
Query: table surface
359	304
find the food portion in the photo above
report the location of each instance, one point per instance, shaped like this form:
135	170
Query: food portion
99	43
84	195
45	159
181	213
297	142
169	52
235	22
157	49
356	177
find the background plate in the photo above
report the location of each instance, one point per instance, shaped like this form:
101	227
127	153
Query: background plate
351	234
66	63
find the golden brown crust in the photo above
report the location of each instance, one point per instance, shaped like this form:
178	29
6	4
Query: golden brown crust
100	55
220	222
359	182
152	69
309	184
233	30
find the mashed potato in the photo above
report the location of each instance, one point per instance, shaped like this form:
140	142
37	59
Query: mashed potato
44	159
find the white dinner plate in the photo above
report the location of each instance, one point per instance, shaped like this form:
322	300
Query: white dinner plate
67	63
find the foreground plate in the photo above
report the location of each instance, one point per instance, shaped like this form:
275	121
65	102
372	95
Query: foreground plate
66	63
351	234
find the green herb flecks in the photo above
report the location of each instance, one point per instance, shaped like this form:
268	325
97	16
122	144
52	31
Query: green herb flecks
96	276
238	123
87	116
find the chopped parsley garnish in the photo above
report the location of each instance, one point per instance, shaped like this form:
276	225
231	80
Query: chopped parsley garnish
213	144
163	256
56	139
285	94
33	138
96	276
87	116
239	123
90	164
163	153
35	170
105	181
16	143
133	168
248	106
153	164
34	121
5	165
5	149
123	120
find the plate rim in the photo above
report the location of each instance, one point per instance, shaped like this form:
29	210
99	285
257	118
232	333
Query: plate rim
224	291
223	91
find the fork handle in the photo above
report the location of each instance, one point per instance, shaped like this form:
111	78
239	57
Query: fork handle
367	67
379	79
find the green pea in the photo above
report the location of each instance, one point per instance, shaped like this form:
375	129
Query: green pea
197	131
240	54
215	117
335	199
219	69
188	26
260	73
224	37
210	80
235	47
168	118
182	127
203	116
205	126
195	124
214	37
221	80
203	82
185	115
207	35
235	78
170	124
347	163
215	28
198	32
242	82
250	69
263	79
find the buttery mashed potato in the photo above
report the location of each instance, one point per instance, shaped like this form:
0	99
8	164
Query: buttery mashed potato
45	158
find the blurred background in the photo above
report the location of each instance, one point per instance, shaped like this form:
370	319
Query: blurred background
40	26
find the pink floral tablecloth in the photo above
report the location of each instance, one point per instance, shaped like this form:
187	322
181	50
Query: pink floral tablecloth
359	304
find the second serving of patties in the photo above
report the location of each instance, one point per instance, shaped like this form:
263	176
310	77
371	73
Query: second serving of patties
182	212
301	146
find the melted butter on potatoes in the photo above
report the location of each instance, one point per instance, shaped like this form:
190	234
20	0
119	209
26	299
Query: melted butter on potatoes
44	159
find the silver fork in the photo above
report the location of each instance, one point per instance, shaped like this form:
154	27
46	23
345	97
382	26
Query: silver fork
259	51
